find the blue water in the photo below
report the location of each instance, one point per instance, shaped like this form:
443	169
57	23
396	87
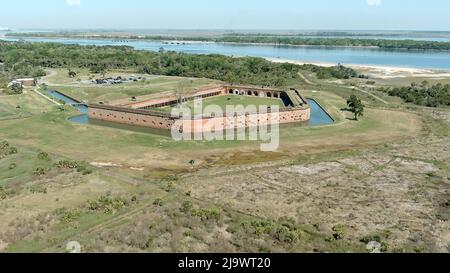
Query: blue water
60	96
83	119
318	115
344	55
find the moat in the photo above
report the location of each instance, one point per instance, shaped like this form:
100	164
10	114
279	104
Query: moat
319	115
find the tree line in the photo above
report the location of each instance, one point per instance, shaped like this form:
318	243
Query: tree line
269	39
422	94
29	59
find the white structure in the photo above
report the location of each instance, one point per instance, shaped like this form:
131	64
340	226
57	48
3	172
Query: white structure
24	82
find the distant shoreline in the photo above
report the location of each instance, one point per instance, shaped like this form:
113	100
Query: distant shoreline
429	72
382	71
281	41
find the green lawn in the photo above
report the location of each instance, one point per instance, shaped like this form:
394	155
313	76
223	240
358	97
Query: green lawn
224	101
24	105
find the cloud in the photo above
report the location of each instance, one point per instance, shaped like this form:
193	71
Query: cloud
73	3
374	2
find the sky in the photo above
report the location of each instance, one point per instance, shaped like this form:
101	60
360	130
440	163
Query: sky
227	14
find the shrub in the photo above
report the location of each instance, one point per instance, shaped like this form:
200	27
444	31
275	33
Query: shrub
3	194
69	216
44	156
38	189
286	235
158	202
82	168
39	171
107	205
6	149
67	164
207	214
4	144
262	226
422	94
87	172
15	89
169	186
339	232
186	207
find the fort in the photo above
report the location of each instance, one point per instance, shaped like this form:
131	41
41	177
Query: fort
151	111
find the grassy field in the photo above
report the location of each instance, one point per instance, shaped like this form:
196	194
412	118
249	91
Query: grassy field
326	189
224	101
21	106
60	81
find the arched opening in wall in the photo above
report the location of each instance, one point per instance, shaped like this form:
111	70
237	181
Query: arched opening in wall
275	95
230	91
269	95
249	93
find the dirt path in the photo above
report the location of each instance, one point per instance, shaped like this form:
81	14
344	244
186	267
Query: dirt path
53	73
50	73
304	78
368	93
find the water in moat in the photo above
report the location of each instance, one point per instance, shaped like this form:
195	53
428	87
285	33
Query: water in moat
318	115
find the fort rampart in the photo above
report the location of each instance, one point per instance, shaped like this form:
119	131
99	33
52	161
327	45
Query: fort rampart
144	113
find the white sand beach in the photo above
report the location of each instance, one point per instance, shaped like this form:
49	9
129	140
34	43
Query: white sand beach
384	72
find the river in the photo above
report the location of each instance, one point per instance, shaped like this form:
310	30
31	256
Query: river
345	55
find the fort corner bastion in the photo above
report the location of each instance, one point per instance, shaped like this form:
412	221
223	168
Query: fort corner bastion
146	111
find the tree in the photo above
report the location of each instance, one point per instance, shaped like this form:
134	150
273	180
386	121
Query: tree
72	74
356	106
16	88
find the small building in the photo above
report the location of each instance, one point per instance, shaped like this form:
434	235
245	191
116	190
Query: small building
28	82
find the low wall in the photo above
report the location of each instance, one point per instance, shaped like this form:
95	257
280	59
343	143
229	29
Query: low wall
131	117
243	121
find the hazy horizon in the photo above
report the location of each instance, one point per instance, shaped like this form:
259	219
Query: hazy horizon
367	15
